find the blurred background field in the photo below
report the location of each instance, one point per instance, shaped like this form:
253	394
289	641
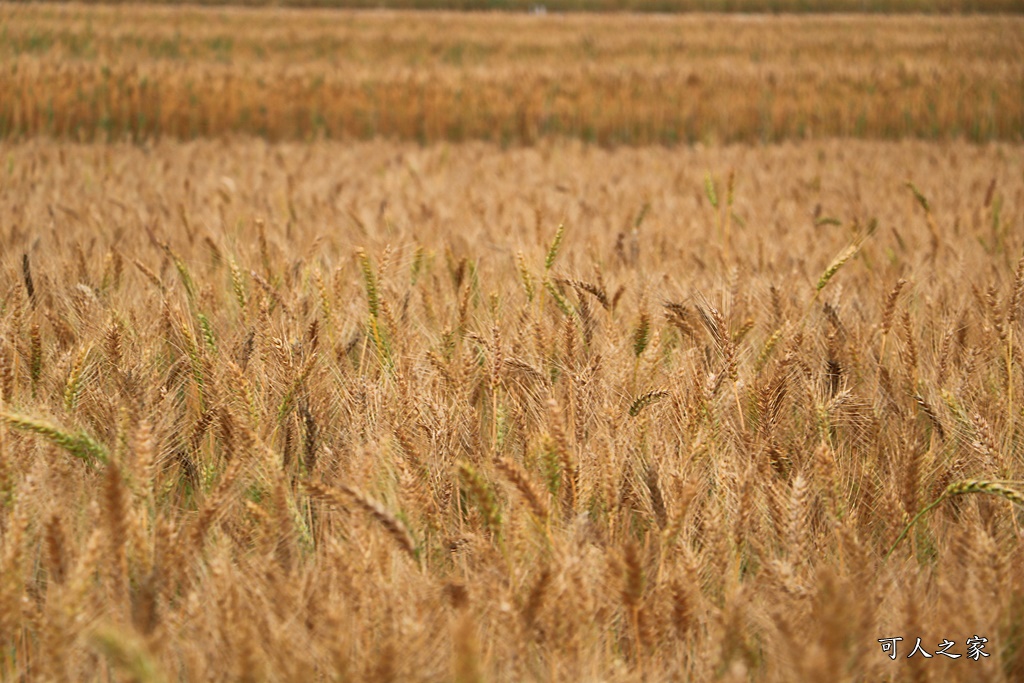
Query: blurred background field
110	73
647	6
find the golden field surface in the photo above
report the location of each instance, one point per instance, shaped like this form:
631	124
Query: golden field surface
364	412
650	6
110	73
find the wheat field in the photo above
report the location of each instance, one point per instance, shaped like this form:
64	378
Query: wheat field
342	412
110	73
315	409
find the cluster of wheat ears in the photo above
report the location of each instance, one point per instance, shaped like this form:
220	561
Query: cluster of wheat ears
347	412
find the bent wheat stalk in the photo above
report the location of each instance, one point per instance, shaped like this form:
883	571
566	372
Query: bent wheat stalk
959	488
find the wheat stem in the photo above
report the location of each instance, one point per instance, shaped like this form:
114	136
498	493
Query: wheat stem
960	488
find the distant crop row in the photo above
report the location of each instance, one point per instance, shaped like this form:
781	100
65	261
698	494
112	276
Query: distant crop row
661	6
112	73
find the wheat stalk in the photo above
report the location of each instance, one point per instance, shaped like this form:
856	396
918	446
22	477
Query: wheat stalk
522	482
482	495
1016	301
960	488
127	653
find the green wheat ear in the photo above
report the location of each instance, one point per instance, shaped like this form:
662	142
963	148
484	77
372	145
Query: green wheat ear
709	189
959	488
919	196
645	400
642	335
836	264
80	444
549	260
559	300
371	282
183	273
524	275
844	256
